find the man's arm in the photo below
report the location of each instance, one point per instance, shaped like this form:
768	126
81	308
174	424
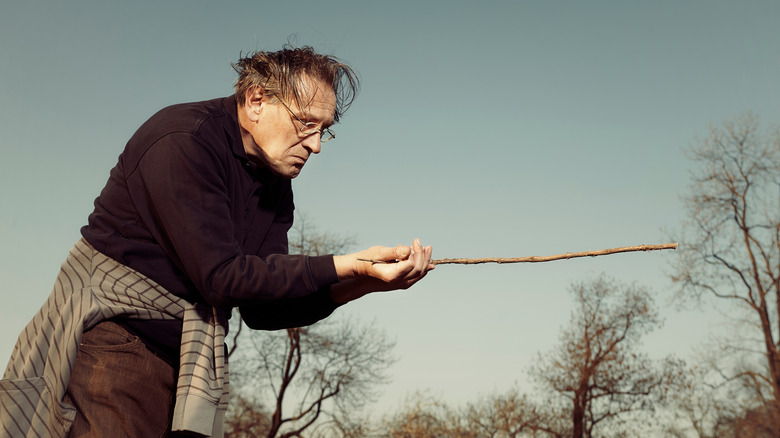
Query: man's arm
356	279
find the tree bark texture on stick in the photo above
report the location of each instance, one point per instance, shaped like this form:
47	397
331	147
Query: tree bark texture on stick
565	256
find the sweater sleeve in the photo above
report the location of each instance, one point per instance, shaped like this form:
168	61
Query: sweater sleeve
288	313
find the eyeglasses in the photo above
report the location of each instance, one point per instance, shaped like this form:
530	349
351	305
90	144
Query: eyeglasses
309	128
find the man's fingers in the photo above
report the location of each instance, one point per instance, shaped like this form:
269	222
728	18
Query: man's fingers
417	245
421	258
428	254
402	252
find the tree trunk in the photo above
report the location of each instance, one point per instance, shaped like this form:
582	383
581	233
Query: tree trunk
578	413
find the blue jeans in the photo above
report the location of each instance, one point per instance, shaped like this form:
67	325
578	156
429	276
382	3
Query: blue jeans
119	388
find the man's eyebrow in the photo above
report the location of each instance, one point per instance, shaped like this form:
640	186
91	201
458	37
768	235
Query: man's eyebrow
308	117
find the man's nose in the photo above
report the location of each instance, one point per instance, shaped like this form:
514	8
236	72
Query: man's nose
313	143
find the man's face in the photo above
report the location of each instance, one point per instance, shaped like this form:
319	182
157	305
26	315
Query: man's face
272	135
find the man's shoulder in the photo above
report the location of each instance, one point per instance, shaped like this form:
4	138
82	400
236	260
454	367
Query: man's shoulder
196	129
191	117
212	121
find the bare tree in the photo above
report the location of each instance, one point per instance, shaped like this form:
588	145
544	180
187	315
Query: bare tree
305	238
507	415
315	376
730	248
597	368
246	418
422	416
701	404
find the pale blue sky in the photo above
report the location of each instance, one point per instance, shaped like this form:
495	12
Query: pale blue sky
484	128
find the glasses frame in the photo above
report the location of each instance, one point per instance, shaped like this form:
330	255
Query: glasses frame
326	134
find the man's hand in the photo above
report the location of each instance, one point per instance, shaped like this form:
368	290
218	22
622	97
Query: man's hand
380	268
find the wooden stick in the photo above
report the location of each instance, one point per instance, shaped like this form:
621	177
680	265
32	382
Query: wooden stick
568	255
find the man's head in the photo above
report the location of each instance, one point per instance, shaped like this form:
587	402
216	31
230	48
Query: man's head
287	100
284	73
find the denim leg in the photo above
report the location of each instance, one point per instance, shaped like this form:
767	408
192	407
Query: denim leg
119	388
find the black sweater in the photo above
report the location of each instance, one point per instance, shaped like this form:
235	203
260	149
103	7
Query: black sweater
185	207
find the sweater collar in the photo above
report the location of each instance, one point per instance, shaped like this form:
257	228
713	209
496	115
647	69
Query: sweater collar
233	129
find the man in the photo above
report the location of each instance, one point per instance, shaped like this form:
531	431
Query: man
192	222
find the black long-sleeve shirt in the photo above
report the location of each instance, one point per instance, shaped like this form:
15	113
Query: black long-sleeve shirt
185	207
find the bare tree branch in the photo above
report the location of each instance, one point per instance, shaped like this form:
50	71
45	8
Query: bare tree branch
565	256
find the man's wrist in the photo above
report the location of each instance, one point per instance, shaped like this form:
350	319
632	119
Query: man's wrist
345	266
352	289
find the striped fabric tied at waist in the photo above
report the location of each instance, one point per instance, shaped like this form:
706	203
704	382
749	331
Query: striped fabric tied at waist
90	288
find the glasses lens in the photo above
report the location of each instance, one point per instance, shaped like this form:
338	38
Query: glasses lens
311	128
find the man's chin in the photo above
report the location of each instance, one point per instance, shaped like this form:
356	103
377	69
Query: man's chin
288	172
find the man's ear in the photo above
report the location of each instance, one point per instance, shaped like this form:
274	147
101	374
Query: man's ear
255	96
253	100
